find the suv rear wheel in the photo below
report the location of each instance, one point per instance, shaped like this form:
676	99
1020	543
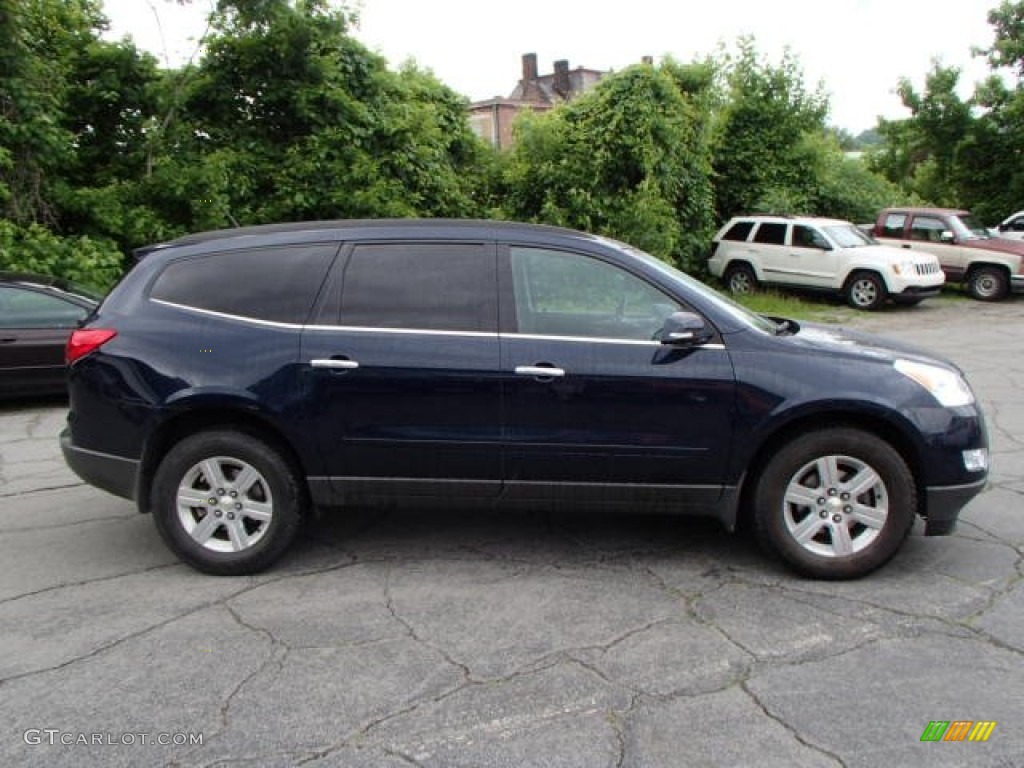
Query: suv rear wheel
835	504
865	290
226	502
987	283
741	279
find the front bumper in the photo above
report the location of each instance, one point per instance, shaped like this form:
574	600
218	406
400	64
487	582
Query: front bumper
943	505
1017	283
113	474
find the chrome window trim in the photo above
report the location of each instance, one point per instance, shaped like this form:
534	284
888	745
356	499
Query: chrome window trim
423	331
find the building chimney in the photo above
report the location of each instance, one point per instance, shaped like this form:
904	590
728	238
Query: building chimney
561	82
529	67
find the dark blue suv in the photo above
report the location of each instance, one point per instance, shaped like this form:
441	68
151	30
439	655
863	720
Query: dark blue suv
234	380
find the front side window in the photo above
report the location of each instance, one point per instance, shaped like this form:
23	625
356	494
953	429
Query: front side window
927	229
771	233
421	286
278	284
568	294
809	237
21	308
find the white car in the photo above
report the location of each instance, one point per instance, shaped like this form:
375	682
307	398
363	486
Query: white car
822	254
1012	227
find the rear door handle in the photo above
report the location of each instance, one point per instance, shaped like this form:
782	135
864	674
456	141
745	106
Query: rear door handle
345	365
540	371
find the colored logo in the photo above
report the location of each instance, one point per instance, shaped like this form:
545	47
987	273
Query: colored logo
958	730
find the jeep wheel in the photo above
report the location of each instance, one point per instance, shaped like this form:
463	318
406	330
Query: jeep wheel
226	503
741	279
835	504
987	283
865	290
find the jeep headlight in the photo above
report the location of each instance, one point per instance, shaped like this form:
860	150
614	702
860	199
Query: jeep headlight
904	268
946	386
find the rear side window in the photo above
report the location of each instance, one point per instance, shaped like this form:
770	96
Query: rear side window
278	284
738	231
771	233
421	286
893	225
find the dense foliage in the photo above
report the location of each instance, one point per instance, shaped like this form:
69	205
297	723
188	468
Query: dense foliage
284	114
965	152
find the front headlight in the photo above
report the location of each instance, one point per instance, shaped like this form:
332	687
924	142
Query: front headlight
946	386
904	268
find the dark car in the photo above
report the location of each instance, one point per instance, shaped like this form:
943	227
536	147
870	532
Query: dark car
233	380
37	314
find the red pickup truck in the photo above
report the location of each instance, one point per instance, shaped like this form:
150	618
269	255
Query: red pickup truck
989	267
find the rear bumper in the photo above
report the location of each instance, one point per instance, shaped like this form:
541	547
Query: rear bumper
113	474
943	506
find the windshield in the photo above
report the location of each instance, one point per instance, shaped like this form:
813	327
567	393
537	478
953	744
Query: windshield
735	310
849	236
969	228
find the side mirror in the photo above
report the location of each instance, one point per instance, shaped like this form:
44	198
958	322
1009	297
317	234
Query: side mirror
684	329
946	236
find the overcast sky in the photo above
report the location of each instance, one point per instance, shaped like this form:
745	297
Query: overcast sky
858	48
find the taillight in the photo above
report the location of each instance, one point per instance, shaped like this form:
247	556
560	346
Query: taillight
86	340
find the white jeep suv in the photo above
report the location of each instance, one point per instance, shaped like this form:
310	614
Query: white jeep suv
821	254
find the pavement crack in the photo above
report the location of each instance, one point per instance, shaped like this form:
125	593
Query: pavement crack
790	729
7	495
87	582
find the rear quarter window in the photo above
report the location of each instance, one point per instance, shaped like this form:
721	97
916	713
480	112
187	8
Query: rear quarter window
738	231
278	284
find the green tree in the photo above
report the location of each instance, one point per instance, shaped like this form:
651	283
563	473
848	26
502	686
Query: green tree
760	151
630	159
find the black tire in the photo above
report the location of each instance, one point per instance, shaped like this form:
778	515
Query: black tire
865	290
254	486
740	279
988	284
809	536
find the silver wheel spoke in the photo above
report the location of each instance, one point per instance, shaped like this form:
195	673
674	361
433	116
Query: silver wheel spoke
802	496
828	471
872	517
257	510
236	532
214	474
841	542
193	498
807	529
246	479
205	528
863	482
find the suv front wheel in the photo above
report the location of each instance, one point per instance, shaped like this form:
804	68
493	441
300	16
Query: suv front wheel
865	290
226	502
835	504
987	283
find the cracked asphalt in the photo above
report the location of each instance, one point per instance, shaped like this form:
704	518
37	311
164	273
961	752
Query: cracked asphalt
392	639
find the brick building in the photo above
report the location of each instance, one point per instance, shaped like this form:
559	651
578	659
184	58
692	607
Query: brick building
492	119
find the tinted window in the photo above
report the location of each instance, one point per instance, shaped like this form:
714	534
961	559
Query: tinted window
426	286
738	231
278	284
771	233
1017	225
568	294
893	226
927	228
21	308
807	237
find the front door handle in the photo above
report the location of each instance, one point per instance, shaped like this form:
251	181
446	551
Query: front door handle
541	371
345	365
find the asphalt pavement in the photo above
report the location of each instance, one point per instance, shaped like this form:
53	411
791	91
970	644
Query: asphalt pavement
395	639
